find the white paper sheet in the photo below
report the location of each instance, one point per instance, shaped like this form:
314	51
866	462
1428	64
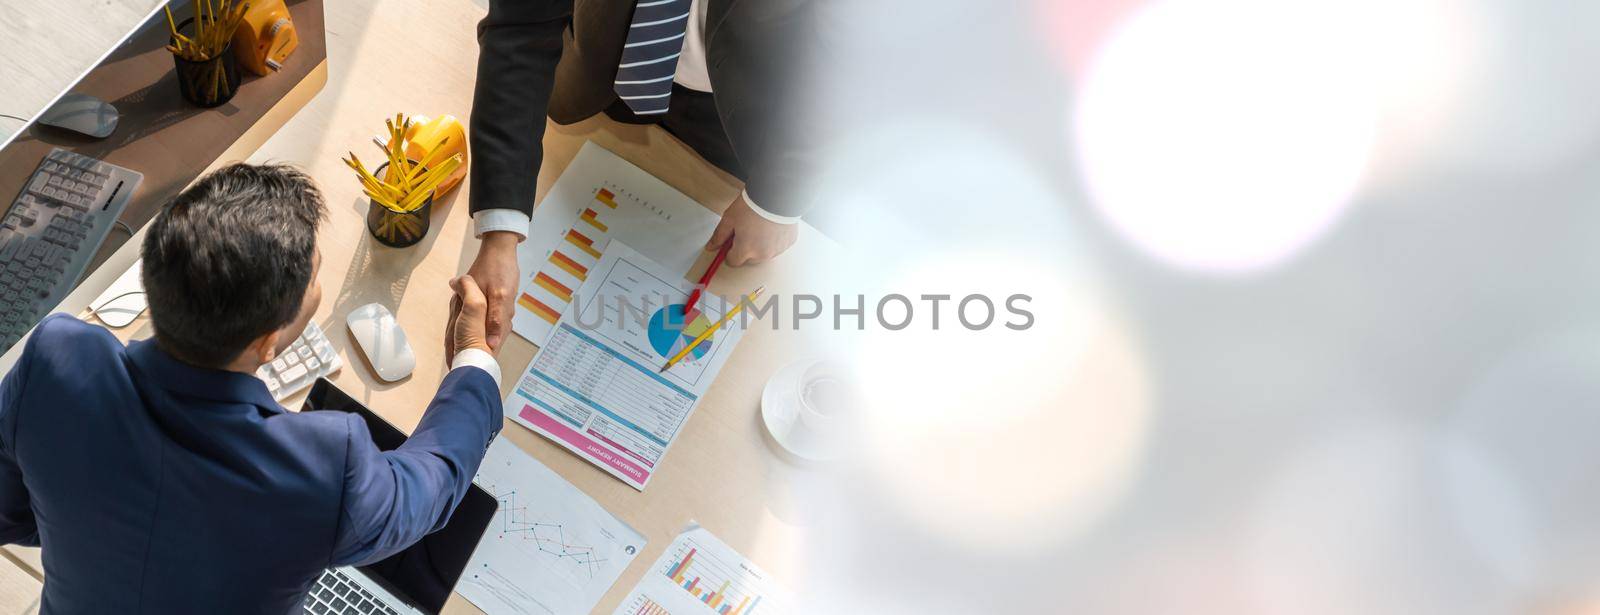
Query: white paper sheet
550	549
600	197
596	388
701	575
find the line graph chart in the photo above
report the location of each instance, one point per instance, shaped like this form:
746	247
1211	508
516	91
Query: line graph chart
550	538
552	550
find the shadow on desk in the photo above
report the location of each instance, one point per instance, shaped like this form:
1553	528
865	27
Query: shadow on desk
145	115
141	113
374	261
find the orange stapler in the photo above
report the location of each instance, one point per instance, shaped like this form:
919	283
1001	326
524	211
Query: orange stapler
266	37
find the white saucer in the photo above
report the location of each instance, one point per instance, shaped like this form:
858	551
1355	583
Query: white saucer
780	412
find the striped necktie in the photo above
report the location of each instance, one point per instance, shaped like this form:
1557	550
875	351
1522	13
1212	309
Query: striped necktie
650	57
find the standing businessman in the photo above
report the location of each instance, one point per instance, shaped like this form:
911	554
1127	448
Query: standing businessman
723	76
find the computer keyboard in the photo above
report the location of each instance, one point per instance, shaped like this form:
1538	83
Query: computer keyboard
52	231
336	593
311	356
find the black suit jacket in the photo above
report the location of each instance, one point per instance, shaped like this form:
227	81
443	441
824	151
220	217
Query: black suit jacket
557	58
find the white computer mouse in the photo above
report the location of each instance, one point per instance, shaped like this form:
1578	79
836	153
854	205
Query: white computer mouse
382	340
83	114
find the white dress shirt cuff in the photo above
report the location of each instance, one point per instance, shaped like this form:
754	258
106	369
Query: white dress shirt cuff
771	217
500	220
474	357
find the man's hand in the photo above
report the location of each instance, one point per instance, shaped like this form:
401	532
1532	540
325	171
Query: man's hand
496	275
468	327
755	239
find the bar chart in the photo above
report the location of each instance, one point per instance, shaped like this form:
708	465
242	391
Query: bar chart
600	199
568	264
645	606
697	573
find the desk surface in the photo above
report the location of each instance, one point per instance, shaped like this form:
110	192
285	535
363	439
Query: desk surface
721	473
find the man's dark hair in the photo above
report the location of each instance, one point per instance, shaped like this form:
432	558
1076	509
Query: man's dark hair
229	260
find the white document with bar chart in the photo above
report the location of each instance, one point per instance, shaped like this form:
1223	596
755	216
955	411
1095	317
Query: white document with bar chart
600	197
595	386
701	575
550	549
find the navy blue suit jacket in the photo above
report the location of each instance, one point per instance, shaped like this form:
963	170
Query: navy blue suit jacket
158	487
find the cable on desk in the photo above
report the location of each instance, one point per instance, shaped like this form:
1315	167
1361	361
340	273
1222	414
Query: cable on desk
20	119
95	311
124	226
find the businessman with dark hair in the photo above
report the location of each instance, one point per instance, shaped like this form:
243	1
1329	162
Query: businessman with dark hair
162	477
723	76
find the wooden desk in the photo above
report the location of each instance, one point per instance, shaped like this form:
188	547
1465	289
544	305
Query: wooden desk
20	585
168	140
721	472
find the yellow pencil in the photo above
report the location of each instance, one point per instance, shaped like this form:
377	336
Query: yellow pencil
705	335
172	25
421	191
431	162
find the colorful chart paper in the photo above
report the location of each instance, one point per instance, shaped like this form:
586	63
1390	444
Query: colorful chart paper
668	334
701	575
550	549
596	385
600	197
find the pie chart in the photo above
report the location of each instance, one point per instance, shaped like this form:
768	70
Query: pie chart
668	333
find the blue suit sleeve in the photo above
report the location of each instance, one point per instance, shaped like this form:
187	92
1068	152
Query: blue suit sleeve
17	525
394	498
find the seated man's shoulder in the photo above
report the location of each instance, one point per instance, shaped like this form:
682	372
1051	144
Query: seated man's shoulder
319	420
62	352
61	333
64	324
327	428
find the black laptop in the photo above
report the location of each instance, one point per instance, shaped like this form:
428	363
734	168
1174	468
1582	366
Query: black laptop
418	579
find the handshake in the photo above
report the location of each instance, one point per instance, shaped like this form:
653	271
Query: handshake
468	327
480	312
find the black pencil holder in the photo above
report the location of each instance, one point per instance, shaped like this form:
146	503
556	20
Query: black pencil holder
394	228
207	83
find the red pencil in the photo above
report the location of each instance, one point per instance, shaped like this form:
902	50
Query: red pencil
694	297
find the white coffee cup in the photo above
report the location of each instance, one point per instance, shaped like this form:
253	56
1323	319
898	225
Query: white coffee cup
809	408
827	398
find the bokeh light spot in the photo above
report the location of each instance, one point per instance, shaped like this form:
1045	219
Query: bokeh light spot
1225	135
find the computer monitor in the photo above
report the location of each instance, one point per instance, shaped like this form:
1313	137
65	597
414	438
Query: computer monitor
424	574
